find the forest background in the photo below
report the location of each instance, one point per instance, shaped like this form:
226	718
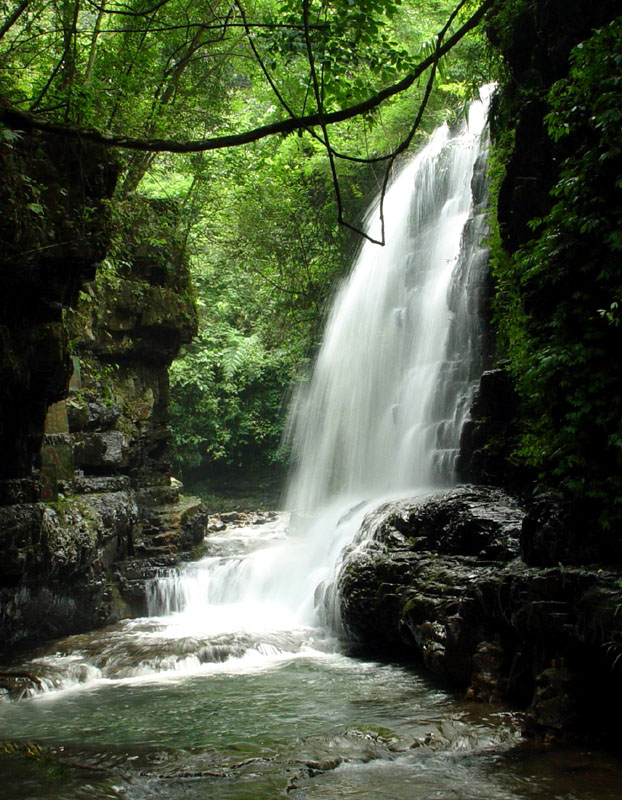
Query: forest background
269	222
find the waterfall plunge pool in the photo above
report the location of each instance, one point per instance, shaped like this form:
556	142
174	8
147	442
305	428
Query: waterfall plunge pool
163	707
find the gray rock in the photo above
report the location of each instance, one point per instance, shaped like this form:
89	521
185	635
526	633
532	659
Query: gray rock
109	450
91	484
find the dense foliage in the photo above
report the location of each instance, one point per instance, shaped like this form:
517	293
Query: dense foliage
259	223
560	294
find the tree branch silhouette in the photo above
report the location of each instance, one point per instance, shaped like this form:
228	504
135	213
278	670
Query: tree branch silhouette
17	119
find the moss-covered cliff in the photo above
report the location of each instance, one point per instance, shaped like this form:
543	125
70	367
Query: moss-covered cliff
557	198
85	481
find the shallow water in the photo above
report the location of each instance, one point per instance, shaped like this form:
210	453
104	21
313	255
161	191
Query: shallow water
147	709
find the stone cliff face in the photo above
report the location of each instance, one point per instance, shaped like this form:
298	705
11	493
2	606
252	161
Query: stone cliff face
53	234
87	503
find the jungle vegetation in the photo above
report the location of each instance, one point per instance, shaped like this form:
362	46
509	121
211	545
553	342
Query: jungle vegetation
265	126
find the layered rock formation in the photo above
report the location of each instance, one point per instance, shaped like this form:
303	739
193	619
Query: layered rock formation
441	580
87	503
53	233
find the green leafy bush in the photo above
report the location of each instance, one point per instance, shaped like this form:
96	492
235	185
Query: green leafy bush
561	292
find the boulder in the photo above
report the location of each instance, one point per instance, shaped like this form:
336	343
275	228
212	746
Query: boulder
438	579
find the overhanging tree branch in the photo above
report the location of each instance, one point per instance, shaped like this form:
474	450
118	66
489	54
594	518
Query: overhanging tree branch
17	119
319	102
12	18
405	143
117	12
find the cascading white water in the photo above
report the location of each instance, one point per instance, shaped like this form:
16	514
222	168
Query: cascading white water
379	418
382	412
388	386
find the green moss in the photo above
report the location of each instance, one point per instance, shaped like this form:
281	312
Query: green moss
556	296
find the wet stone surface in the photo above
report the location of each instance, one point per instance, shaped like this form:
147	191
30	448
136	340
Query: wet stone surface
441	579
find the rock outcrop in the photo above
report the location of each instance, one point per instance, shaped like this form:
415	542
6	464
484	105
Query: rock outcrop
88	507
440	580
489	433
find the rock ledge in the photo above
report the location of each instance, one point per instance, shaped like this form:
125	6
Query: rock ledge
439	579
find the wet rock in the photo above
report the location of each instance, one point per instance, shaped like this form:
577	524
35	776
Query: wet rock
158	495
53	578
230	516
421	579
132	577
489	434
553	713
263	517
17	685
488	681
171	529
470	521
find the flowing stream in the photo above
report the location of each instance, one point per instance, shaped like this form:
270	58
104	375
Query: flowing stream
237	684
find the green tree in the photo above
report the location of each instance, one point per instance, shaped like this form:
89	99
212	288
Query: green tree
175	86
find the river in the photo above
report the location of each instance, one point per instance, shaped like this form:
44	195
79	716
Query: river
167	707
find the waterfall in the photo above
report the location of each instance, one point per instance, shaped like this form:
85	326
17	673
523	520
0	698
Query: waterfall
382	412
390	389
379	418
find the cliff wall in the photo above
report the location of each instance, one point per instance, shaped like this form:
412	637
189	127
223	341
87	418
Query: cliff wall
519	600
88	507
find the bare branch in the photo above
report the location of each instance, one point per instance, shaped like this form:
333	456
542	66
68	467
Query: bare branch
145	13
262	65
93	48
331	156
405	143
